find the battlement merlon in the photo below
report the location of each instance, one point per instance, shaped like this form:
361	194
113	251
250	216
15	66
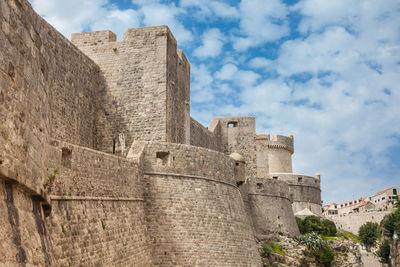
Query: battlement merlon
93	38
280	141
106	36
233	122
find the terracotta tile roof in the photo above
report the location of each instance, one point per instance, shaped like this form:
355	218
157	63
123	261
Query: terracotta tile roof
383	191
362	204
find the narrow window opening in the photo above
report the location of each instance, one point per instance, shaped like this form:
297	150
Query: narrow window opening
113	146
275	177
232	124
300	179
259	185
237	163
66	157
46	209
162	157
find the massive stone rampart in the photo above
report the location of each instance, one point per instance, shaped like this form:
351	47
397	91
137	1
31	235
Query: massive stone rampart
98	214
270	206
195	213
352	222
47	89
305	191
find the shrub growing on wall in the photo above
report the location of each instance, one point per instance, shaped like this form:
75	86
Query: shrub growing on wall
329	228
316	225
318	247
368	233
384	252
391	222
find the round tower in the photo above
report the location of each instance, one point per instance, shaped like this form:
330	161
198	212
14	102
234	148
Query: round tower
280	150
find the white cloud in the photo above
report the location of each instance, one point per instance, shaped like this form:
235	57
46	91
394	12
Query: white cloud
117	21
212	42
211	8
261	22
261	63
90	15
201	87
242	78
155	14
67	18
227	72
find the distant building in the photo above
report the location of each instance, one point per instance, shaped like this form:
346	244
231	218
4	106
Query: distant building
382	200
385	198
331	209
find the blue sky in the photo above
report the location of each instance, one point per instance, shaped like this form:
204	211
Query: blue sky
326	71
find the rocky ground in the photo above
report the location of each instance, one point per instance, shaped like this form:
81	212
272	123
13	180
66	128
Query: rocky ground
293	254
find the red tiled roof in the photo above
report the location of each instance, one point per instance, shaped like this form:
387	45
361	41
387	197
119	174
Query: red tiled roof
362	204
383	191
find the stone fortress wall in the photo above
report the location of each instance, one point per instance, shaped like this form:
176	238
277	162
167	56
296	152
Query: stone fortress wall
101	163
353	222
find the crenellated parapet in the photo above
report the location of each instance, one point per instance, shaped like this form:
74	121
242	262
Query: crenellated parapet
281	142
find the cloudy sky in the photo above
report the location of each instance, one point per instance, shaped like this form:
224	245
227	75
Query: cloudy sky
326	71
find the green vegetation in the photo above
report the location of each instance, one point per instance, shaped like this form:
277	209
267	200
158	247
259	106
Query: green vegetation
384	252
266	249
348	235
368	233
51	178
63	229
276	248
318	247
316	225
312	240
324	256
103	224
329	227
391	222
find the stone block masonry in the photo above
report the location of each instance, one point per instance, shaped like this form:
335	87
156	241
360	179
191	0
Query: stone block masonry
195	212
353	222
98	214
102	165
147	94
275	217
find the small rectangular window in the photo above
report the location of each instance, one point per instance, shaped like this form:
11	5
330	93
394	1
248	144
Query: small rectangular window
383	198
232	124
66	157
299	179
162	157
275	177
394	191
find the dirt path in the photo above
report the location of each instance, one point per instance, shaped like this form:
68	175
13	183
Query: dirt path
369	259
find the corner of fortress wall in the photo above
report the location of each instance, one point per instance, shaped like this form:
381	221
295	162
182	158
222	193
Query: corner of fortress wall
154	103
